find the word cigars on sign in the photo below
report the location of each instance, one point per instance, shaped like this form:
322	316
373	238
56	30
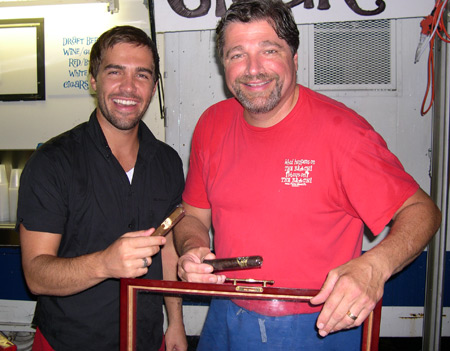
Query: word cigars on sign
179	7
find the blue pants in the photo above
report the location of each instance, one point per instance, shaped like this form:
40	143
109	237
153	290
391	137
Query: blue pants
229	327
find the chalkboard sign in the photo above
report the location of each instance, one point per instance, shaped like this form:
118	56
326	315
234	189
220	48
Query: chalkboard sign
22	62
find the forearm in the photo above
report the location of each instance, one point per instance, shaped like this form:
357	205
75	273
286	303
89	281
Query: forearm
193	230
192	243
174	309
175	333
169	260
413	227
189	234
48	274
51	275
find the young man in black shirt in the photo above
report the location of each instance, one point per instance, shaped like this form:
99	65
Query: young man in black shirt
88	203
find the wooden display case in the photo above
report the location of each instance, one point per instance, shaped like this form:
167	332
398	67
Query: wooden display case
129	289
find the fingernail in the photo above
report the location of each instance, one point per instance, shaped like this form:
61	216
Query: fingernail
320	326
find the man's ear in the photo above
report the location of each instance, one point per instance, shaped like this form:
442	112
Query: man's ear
296	61
93	83
154	88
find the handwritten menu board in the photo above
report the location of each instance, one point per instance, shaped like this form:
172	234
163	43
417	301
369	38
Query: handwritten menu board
76	51
67	62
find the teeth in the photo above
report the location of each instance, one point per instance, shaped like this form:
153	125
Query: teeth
124	102
256	84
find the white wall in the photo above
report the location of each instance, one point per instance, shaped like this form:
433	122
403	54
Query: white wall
24	124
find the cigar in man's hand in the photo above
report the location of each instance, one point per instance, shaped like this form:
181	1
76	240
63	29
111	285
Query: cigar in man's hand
245	262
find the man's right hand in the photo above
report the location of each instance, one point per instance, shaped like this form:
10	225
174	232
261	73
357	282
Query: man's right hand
48	274
131	254
191	268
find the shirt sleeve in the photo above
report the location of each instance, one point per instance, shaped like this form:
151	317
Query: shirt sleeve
195	191
41	203
375	182
179	183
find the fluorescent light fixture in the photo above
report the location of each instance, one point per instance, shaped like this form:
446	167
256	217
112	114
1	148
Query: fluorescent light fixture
113	5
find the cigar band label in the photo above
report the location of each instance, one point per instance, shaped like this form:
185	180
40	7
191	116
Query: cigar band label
167	223
242	261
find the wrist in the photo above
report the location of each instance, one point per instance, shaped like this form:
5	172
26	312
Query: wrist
97	261
381	264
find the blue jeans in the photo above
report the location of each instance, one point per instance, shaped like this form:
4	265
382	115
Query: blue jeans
229	327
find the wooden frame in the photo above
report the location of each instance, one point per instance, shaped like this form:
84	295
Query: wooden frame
130	287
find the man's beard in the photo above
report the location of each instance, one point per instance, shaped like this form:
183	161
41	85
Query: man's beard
258	103
117	122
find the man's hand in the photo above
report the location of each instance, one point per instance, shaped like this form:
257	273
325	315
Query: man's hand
48	274
349	294
131	254
176	337
353	289
191	268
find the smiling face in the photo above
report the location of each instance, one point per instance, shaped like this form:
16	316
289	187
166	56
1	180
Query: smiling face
124	85
260	71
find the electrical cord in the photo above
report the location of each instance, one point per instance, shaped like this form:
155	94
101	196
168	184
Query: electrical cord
161	98
432	25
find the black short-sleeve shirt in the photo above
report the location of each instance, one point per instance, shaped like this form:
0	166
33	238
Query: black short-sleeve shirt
74	186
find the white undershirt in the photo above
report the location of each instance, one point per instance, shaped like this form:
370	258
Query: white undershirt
130	174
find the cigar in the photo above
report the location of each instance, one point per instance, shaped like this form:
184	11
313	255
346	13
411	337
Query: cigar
224	264
169	222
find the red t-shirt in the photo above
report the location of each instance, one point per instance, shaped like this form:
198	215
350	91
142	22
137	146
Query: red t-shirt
297	193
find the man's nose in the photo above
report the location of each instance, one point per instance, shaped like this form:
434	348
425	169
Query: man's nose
128	82
254	65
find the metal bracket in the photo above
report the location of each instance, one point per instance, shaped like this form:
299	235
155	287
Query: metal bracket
113	6
249	280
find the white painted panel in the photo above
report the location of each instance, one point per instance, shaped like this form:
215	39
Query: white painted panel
24	124
408	322
193	82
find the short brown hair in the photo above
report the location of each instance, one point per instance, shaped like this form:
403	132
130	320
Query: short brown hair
276	12
121	34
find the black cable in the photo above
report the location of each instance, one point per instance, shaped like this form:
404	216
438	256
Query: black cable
151	13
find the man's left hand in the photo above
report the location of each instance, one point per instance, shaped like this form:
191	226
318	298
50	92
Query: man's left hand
349	294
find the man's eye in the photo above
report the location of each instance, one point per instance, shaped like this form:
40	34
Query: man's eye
235	56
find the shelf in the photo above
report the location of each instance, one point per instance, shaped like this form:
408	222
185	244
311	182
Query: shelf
7	225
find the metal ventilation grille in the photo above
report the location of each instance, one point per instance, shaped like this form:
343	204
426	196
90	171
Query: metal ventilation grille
353	55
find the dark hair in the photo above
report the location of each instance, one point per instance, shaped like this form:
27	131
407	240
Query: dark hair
276	12
121	34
